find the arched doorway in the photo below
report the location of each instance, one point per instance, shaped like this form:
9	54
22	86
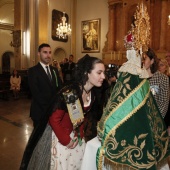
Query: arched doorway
6	62
59	54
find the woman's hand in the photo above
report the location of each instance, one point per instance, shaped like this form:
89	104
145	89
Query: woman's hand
73	143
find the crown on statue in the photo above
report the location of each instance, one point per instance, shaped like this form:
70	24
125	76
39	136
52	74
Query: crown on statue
138	37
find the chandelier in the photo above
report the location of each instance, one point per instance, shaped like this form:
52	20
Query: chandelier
64	29
169	20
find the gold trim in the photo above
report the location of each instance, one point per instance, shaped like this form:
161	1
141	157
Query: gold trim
109	163
141	30
119	105
113	131
130	114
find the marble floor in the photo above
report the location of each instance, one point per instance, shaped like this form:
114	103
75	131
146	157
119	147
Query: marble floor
15	129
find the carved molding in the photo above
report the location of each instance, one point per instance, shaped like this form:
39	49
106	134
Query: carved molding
112	2
121	15
5	26
4	2
16	39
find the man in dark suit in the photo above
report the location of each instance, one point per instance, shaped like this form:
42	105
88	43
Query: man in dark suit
44	83
68	70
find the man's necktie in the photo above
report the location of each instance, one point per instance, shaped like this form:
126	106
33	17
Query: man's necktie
48	73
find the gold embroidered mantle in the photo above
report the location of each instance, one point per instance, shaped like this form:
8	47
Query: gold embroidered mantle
131	130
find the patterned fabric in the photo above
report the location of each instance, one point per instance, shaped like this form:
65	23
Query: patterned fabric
167	117
41	156
133	65
159	85
63	158
132	132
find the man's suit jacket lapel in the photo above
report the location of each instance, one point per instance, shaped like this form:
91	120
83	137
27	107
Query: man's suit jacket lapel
43	73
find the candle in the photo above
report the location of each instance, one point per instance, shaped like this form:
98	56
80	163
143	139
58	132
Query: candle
142	9
111	55
114	55
118	55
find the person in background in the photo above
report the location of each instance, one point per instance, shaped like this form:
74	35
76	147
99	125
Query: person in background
57	65
15	82
64	61
167	57
44	82
68	70
159	83
109	82
68	138
164	68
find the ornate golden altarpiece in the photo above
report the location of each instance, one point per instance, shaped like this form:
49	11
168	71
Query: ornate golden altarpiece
121	15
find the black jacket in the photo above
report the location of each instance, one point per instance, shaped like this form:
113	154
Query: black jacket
44	94
67	70
43	91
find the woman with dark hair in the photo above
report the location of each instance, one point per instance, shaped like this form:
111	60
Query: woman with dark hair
159	83
15	81
72	123
164	68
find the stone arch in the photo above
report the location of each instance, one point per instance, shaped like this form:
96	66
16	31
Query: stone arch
7	61
59	54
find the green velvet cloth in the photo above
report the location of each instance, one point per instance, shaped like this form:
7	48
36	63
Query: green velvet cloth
132	132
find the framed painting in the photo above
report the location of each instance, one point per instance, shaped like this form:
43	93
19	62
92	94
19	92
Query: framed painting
90	32
57	19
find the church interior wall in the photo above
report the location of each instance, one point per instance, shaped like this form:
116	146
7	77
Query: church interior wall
116	18
89	10
7	17
63	6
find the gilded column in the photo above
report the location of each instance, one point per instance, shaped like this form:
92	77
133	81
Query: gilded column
111	36
151	23
123	26
42	8
73	25
17	33
33	31
168	29
163	26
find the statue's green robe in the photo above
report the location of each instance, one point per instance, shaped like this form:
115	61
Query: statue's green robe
132	132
